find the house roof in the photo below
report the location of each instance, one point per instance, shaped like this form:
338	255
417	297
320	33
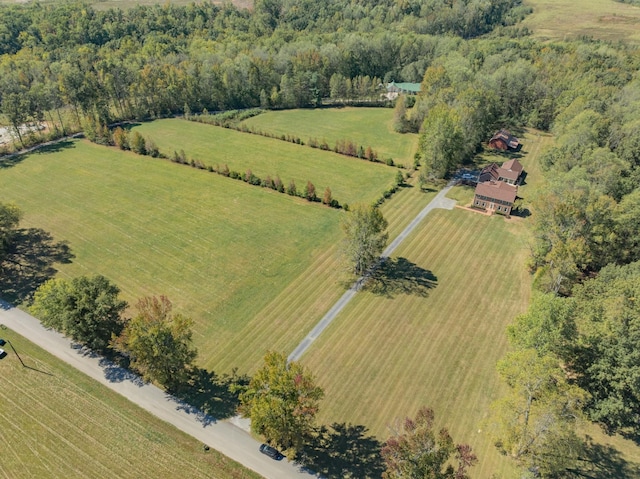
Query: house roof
507	137
513	165
412	87
498	190
493	170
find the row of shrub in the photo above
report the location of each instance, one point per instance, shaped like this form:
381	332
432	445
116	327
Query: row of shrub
232	119
389	192
275	183
227	119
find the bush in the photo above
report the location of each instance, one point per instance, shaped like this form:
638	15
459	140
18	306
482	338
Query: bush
120	138
291	189
138	144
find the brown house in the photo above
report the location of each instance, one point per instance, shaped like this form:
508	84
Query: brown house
510	172
495	196
505	141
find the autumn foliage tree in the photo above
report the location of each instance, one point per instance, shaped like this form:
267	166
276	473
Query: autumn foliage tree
158	342
417	450
282	401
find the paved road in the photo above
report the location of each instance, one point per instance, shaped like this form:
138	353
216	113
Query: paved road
438	202
229	439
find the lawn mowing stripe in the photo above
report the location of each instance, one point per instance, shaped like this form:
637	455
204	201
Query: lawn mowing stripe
424	330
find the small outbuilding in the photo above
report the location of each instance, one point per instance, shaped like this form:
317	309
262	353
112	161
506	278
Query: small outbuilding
505	141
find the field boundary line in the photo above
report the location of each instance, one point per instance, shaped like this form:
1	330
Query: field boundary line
438	202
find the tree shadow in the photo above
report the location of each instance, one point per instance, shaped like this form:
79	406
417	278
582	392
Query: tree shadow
30	262
400	276
600	461
343	451
56	147
209	395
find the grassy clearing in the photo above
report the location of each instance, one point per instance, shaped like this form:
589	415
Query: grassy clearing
56	422
220	249
408	344
350	179
567	19
365	126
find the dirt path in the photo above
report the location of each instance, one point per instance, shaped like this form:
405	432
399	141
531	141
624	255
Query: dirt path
440	201
229	439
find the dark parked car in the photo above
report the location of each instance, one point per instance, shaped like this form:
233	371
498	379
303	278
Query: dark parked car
271	452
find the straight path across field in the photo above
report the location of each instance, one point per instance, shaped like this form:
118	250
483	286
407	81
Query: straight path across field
221	435
440	201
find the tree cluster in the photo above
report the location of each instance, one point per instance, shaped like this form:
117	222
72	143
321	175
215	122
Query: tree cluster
89	311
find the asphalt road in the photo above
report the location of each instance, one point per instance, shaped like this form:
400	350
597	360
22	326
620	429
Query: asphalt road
439	201
229	439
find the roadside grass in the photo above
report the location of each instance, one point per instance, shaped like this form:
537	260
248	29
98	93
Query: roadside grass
567	19
365	126
429	332
220	249
350	179
57	422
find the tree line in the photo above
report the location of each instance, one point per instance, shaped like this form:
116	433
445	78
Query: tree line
66	63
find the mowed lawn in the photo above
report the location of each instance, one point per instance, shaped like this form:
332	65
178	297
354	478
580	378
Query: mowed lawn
608	20
350	179
220	249
408	344
365	126
56	422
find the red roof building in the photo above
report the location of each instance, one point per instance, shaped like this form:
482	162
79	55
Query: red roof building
495	196
505	141
509	172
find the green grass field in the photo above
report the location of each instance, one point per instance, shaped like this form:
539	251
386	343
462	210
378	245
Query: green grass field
220	249
350	179
406	344
56	422
567	19
365	126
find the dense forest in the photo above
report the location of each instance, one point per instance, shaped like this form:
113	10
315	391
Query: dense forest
76	68
152	61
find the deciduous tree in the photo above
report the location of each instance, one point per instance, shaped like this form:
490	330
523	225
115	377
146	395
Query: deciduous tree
86	308
10	216
365	237
535	422
158	342
282	401
418	450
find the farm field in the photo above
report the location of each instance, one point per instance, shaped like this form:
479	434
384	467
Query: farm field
220	249
350	179
365	126
56	422
567	19
430	331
